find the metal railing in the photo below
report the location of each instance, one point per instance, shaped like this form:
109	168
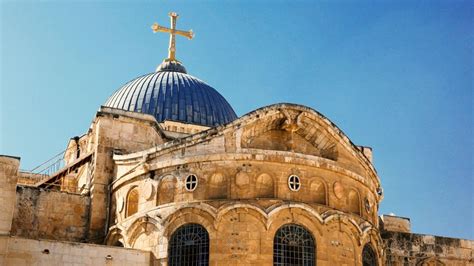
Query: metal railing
54	164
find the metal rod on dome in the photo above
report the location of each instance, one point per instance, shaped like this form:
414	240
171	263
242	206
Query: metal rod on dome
172	31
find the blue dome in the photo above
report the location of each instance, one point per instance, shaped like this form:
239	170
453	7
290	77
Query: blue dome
171	94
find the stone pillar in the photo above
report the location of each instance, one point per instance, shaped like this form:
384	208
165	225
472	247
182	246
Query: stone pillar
8	177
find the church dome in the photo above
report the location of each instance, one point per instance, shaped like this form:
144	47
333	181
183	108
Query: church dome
171	94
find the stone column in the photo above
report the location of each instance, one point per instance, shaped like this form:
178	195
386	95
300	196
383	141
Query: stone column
8	178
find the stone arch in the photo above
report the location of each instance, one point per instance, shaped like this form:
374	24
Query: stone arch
264	187
288	129
242	187
353	201
252	210
372	236
274	210
295	213
218	186
115	238
433	261
131	206
344	248
334	215
166	189
191	214
251	132
189	245
293	242
369	256
318	192
142	226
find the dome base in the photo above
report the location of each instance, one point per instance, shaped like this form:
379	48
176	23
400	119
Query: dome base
171	66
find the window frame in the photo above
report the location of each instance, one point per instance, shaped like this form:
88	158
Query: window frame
127	202
284	247
295	184
183	240
368	250
191	182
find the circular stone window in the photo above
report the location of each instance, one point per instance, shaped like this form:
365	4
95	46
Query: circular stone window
294	183
191	182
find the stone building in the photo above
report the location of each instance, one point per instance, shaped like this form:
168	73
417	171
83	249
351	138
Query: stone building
167	174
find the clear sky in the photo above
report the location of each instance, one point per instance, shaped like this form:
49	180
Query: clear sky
393	75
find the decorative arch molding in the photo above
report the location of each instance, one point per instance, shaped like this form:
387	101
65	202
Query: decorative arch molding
142	222
332	214
371	235
266	156
164	177
211	217
247	120
265	186
432	261
337	216
273	211
202	207
353	201
289	129
166	191
372	239
257	212
366	229
218	183
116	234
319	191
267	214
186	215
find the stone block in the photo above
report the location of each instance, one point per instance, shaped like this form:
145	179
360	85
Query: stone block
395	223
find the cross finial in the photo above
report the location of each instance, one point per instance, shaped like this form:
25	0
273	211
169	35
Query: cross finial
172	31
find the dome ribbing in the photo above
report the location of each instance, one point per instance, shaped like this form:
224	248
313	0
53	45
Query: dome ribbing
171	94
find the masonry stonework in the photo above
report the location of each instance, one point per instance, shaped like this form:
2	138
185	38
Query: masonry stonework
242	197
8	179
43	214
167	174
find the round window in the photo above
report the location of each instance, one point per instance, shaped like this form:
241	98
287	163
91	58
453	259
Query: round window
191	182
294	182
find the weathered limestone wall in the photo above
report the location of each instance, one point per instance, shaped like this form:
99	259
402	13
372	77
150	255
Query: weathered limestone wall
183	128
8	178
27	178
408	249
20	251
395	223
243	196
113	131
228	179
50	214
242	232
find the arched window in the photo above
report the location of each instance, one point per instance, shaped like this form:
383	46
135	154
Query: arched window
368	256
132	202
294	245
189	245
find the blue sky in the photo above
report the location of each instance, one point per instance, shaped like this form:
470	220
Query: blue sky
393	75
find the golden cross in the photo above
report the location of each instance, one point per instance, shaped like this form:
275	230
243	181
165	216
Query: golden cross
172	31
